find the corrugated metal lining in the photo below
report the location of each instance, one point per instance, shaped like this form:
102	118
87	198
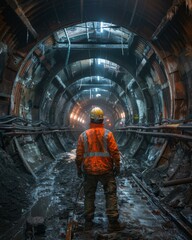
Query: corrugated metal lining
142	17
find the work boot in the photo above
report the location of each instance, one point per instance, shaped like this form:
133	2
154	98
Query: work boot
116	226
88	225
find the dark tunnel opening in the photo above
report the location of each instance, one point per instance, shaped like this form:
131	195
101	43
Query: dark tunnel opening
58	60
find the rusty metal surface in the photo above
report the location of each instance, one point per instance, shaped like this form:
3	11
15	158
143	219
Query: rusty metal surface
51	14
147	13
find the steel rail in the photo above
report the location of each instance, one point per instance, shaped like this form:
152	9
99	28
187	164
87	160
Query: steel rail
172	216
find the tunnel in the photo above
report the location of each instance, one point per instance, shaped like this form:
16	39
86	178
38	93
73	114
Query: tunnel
58	60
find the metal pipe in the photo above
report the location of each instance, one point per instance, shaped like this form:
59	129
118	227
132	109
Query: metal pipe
177	182
162	135
13	127
38	132
29	128
168	126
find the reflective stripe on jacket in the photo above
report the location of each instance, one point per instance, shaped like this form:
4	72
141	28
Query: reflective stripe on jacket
97	151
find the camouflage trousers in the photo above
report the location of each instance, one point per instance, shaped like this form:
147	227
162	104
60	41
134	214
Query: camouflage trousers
110	190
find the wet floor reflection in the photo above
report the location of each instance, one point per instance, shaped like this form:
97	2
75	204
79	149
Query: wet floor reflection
54	199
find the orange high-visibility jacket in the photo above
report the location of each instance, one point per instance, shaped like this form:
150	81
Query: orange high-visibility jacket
97	152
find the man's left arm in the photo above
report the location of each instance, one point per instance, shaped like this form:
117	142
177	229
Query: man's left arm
114	152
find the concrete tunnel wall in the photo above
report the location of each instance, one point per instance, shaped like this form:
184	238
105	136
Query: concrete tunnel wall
37	83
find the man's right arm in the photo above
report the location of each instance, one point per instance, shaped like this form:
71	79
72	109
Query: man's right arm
79	155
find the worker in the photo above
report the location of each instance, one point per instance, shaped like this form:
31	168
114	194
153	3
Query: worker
98	160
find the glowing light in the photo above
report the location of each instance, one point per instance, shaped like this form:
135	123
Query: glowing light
101	26
71	115
100	60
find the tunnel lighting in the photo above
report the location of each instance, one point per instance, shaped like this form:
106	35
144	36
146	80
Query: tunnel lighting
122	115
101	27
71	115
98	95
100	60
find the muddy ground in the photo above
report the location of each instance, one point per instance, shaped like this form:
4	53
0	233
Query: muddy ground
53	197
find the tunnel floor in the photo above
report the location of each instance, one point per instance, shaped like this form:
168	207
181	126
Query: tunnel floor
54	197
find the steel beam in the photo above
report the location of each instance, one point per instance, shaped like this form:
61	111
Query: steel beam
97	85
77	46
18	10
170	13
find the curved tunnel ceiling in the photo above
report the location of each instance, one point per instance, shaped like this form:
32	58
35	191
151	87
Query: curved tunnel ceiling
124	65
140	52
66	57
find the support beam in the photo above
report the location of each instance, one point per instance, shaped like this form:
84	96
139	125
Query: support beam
94	85
170	13
133	13
141	66
68	47
79	46
21	154
18	10
60	81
